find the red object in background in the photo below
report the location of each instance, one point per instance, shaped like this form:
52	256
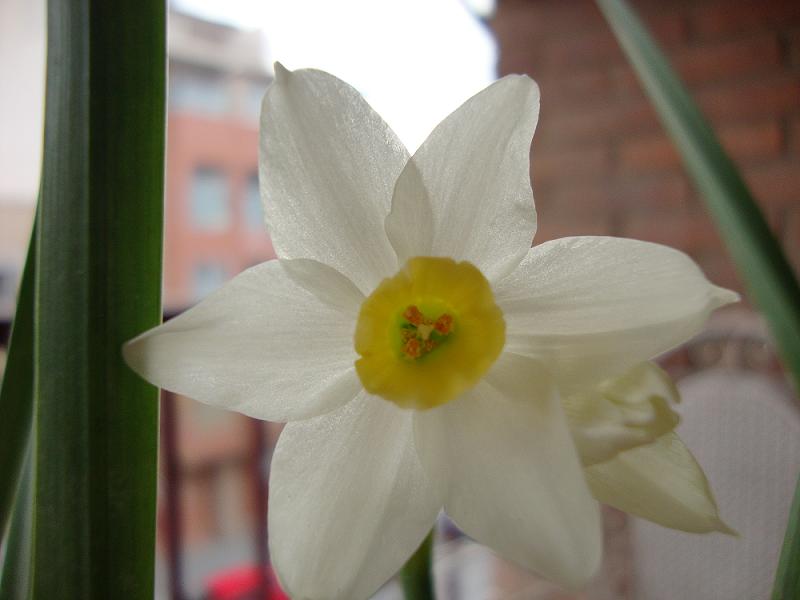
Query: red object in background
242	583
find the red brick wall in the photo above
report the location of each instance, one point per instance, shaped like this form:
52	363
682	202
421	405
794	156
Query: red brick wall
601	163
232	147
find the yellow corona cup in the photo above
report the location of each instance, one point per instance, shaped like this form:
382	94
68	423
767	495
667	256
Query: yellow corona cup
428	333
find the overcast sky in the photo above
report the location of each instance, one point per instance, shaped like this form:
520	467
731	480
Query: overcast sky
414	60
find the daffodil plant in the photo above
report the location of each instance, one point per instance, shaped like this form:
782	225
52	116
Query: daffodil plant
427	358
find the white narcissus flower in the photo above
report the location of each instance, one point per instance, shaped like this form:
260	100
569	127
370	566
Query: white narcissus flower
416	343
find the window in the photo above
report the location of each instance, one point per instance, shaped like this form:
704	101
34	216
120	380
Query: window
209	199
254	96
253	211
207	277
199	92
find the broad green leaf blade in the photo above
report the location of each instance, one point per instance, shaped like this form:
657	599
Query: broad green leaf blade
766	272
16	392
16	564
98	284
769	278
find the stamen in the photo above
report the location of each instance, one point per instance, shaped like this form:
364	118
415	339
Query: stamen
413	315
418	335
412	348
443	324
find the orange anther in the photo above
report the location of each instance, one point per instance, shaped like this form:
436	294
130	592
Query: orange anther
443	324
413	315
412	348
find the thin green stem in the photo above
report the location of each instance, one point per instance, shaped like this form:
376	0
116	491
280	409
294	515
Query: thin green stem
787	576
417	573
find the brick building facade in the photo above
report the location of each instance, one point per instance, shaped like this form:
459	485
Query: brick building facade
601	162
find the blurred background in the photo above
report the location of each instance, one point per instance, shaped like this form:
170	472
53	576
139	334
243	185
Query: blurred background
601	165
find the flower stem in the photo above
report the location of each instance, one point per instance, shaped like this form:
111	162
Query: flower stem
417	575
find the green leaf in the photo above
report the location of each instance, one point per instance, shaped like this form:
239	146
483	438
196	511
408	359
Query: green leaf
766	272
787	577
15	576
98	282
16	392
416	575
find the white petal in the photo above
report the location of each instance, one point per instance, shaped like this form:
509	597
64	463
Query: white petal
592	307
466	193
515	481
328	166
261	345
349	502
622	413
326	284
661	482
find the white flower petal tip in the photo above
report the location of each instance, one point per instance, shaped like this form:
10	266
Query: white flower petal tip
133	355
661	482
281	72
722	527
328	164
592	307
251	345
723	297
466	193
